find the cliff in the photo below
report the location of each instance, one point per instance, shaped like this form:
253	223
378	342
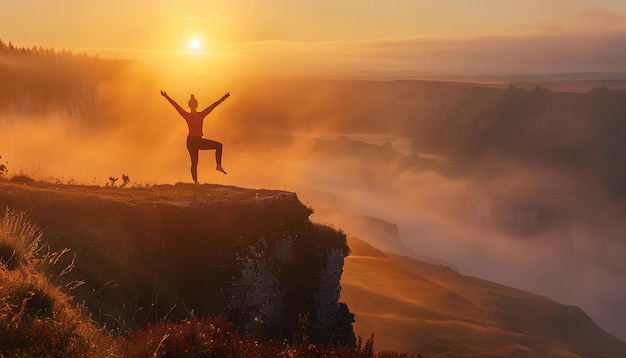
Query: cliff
178	250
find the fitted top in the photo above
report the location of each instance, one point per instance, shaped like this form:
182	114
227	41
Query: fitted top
194	122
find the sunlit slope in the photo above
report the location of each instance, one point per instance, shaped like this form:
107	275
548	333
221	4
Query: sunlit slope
423	308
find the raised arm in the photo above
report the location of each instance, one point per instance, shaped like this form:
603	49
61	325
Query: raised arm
179	109
215	104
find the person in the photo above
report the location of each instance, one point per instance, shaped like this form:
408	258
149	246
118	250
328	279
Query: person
195	141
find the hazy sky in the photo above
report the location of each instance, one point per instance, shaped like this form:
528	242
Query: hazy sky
336	37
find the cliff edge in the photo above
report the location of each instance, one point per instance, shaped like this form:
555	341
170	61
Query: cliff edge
177	251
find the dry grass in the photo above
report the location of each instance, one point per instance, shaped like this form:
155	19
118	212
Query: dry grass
19	240
216	337
36	317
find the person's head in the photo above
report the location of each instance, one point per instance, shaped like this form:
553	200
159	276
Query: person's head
193	103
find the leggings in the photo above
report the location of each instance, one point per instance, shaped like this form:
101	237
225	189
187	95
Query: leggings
194	144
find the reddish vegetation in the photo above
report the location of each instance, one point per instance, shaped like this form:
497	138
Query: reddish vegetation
216	337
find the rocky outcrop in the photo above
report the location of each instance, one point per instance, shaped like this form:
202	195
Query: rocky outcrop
176	251
331	316
256	294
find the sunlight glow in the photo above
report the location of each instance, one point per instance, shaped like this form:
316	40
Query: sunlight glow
195	44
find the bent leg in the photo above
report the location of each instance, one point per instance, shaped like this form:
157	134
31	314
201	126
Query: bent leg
207	144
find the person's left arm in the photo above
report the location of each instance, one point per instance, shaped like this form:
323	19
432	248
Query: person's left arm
178	108
215	104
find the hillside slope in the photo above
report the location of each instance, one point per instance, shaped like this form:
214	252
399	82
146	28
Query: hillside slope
432	310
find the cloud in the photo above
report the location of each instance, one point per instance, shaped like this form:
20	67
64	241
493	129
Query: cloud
602	16
541	52
552	28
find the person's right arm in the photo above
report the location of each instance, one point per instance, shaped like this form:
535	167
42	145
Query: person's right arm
208	110
179	109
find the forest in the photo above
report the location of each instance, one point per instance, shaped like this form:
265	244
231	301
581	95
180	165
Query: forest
37	82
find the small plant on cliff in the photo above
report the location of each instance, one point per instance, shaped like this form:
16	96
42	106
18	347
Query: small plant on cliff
125	181
113	180
3	170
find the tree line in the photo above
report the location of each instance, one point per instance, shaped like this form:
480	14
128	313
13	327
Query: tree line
37	81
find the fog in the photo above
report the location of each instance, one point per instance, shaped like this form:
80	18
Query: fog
342	174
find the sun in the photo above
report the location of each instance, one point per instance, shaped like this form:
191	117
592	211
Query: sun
195	44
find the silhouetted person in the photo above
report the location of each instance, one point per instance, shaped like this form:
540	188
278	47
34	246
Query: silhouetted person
195	142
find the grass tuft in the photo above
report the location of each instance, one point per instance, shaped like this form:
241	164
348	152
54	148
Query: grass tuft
19	240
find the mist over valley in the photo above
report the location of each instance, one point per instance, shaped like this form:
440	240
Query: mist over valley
515	184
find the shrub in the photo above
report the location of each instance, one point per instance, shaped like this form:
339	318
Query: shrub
112	181
3	170
40	338
32	301
28	296
36	319
125	181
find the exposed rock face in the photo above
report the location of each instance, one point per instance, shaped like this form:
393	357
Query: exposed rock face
147	253
332	317
257	294
328	290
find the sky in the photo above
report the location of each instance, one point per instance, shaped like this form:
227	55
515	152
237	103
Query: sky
340	37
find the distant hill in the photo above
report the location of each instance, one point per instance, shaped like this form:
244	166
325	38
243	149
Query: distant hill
423	308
